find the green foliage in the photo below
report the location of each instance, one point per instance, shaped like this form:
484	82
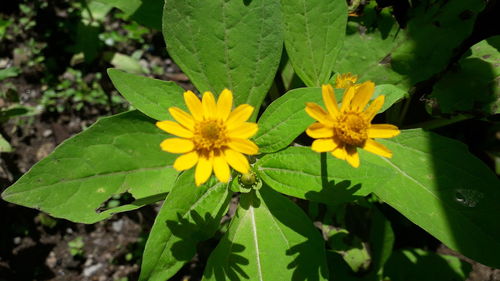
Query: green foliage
435	182
267	224
117	154
416	264
76	247
238	47
314	33
189	215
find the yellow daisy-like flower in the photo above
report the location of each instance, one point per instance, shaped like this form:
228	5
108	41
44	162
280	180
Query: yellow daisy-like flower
212	137
342	130
346	80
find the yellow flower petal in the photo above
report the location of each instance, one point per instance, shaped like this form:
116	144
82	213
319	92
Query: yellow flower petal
329	99
323	145
221	168
203	170
174	128
352	157
186	161
346	100
340	152
363	94
318	113
177	145
318	131
237	161
382	131
209	106
239	115
374	107
224	104
244	146
377	148
244	131
184	118
194	105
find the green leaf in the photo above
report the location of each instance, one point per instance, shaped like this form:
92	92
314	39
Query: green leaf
125	63
285	118
270	238
9	72
226	44
440	186
151	96
4	145
189	215
145	12
473	83
417	265
381	240
314	33
303	173
117	154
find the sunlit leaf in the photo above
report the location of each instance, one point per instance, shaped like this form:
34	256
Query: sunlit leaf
116	155
226	44
270	238
189	215
314	33
152	97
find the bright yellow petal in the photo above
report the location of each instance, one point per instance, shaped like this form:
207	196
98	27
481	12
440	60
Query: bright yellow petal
244	146
239	115
209	106
318	113
184	118
323	145
224	104
377	148
177	145
186	161
374	107
244	131
382	131
318	131
340	152
237	161
346	100
174	128
352	157
329	99
363	94
203	170
221	168
194	105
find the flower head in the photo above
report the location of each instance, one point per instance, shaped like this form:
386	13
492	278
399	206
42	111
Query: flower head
344	81
342	130
212	137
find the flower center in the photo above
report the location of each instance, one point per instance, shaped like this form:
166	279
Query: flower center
209	135
351	128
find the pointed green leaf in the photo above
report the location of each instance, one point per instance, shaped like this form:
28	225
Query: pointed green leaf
145	12
151	96
314	33
441	187
117	154
270	238
189	215
4	145
285	118
226	44
303	173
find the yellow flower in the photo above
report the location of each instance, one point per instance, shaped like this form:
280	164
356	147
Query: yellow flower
212	136
346	80
342	130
